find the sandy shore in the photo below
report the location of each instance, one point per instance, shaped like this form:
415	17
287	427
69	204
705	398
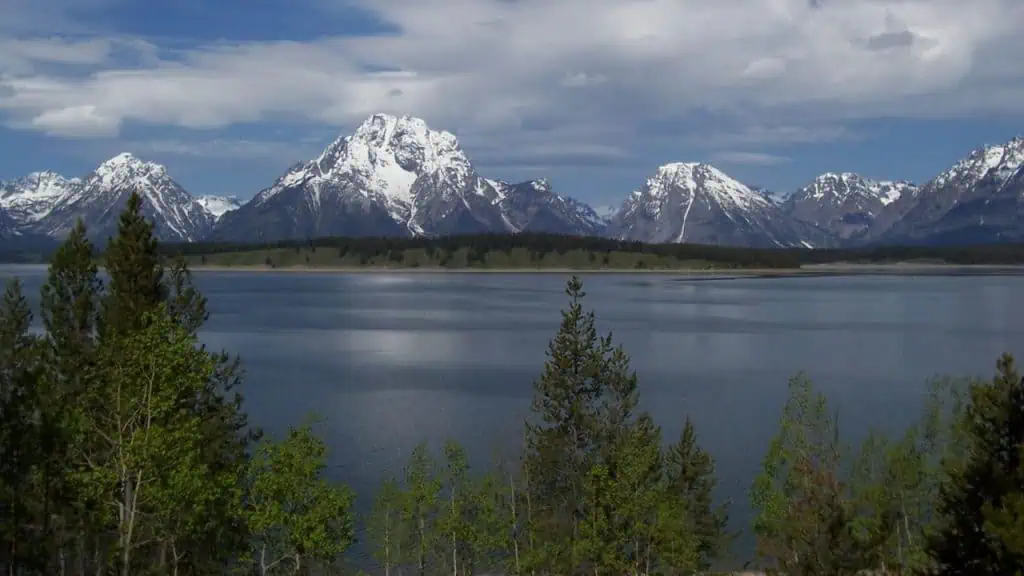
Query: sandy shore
833	269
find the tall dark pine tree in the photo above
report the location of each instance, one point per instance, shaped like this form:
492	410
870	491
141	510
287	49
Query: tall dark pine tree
980	502
582	402
69	307
691	477
139	284
69	298
136	275
19	548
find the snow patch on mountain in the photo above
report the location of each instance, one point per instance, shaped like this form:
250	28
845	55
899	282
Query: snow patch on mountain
218	206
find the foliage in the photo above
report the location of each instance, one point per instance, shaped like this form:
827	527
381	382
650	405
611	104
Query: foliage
979	506
295	514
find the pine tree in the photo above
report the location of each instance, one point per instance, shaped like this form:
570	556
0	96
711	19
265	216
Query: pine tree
19	546
691	476
139	284
136	275
980	527
583	410
69	308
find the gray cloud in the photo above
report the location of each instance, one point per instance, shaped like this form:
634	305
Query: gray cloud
542	77
749	158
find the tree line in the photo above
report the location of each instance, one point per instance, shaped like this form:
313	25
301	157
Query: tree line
124	449
537	249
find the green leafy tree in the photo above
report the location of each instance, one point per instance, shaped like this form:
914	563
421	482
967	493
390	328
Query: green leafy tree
141	409
385	527
420	510
803	516
455	522
979	528
297	517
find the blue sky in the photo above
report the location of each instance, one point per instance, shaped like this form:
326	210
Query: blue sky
593	94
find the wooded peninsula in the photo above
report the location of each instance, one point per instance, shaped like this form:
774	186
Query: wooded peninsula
555	252
530	251
125	450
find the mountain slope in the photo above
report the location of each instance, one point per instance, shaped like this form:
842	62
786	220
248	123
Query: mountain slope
397	176
697	203
176	215
977	200
844	204
29	199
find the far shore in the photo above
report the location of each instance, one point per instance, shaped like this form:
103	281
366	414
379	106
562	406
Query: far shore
830	269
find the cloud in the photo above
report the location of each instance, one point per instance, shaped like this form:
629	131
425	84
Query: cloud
233	149
749	158
591	71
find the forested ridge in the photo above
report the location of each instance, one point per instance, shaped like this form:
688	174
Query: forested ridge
125	449
530	250
540	251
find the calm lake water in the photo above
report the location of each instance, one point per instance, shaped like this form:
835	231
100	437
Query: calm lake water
394	359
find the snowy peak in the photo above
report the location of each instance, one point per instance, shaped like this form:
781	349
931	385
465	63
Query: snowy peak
30	198
698	203
380	163
126	169
997	162
842	187
696	177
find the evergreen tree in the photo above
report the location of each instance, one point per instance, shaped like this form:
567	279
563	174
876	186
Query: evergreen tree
19	545
69	301
691	476
576	447
136	275
980	527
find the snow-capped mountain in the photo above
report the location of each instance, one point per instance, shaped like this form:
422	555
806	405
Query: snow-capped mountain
697	203
176	215
979	199
844	204
217	206
29	199
397	176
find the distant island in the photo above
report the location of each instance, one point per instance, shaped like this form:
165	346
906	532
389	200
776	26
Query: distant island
548	252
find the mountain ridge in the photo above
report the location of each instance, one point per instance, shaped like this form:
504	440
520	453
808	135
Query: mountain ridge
396	176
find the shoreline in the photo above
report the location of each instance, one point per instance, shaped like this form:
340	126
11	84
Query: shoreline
812	270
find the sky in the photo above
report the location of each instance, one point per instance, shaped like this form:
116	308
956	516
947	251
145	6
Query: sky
592	94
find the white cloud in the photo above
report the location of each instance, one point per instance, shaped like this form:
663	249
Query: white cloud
484	68
749	158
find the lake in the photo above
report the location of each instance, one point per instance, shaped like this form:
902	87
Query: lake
394	359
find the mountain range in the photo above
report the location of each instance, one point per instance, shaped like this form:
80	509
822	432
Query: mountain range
395	176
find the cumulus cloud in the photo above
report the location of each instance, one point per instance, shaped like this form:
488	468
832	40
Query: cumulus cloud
590	70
